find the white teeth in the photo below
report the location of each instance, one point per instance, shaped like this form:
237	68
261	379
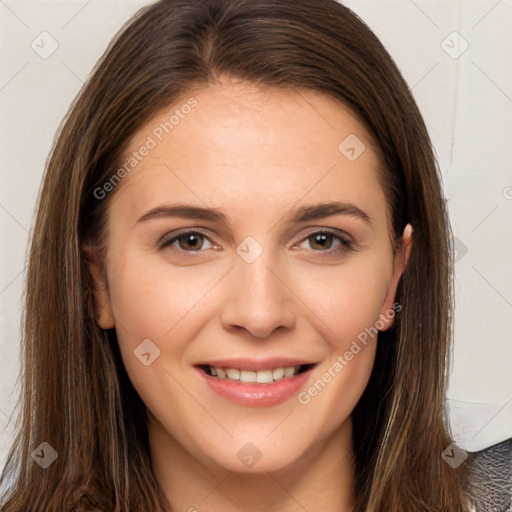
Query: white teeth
261	377
278	373
233	374
289	371
247	376
264	377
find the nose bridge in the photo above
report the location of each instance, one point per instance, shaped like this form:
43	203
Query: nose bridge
260	288
259	280
261	302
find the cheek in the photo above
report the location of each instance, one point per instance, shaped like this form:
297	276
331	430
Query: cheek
149	299
347	302
348	309
346	299
166	306
330	398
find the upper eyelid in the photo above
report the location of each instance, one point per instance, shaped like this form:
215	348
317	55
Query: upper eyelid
331	231
171	237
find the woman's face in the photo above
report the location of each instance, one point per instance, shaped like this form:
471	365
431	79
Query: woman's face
222	258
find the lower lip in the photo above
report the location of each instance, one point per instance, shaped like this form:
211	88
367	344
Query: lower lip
256	395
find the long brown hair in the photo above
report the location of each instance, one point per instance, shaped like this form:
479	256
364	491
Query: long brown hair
76	394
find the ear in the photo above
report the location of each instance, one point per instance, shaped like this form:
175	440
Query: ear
99	284
400	262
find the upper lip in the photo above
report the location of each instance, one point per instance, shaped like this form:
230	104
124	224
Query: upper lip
255	364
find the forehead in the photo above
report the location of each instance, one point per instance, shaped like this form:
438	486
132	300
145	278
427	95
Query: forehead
243	144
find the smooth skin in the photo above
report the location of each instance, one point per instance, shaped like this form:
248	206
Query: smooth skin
256	155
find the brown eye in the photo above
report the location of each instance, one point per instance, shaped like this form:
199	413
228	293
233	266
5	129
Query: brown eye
328	242
189	241
321	241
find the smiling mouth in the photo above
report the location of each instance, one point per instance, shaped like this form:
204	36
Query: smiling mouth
267	376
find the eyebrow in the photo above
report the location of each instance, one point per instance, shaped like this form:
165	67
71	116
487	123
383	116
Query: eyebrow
303	214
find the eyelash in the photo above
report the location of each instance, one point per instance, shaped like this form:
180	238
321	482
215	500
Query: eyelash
345	244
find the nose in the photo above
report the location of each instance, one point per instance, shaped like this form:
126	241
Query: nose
259	300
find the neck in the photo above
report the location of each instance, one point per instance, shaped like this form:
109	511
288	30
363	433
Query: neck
320	480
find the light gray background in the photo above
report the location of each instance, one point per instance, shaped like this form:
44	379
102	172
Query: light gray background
466	99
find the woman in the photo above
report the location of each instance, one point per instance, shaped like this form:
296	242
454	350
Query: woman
239	282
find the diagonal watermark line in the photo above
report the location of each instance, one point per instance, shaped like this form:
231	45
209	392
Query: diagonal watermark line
118	323
13	218
9	420
96	305
216	487
14	76
185	184
424	13
492	286
5	5
425	75
501	409
316	110
280	423
485	15
286	491
76	14
176	323
11	281
199	403
301	198
492	81
72	71
492	211
300	299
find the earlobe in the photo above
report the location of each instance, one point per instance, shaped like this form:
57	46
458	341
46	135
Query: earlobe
387	314
97	278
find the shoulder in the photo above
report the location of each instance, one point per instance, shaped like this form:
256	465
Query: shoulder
490	478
